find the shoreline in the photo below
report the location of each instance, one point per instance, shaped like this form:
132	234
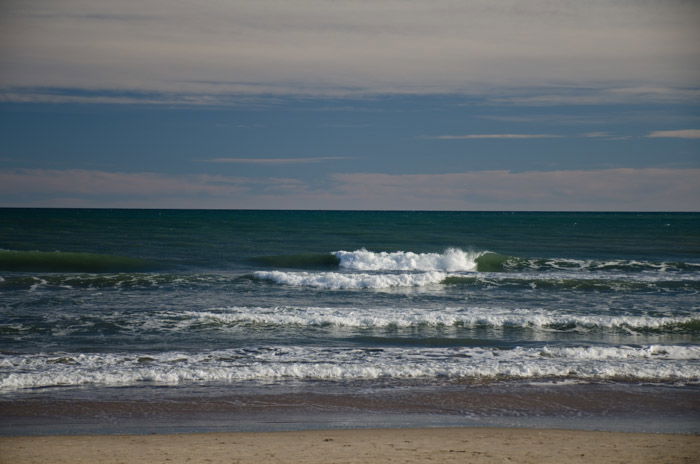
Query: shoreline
602	407
410	445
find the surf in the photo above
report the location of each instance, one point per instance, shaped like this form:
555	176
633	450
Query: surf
450	260
307	363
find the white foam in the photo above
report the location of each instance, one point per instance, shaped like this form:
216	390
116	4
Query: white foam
466	317
453	259
39	282
339	280
609	265
653	363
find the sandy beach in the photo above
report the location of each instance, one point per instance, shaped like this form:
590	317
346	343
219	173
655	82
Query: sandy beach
444	445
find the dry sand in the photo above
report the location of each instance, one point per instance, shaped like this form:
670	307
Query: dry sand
439	445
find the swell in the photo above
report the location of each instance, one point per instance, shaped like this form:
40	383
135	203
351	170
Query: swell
112	281
61	261
301	261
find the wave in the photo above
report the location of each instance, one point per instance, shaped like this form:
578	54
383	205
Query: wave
114	281
452	259
458	260
61	261
447	324
658	363
464	318
621	265
303	261
579	283
395	279
356	280
338	280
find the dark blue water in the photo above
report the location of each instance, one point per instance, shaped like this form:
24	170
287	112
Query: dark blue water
217	300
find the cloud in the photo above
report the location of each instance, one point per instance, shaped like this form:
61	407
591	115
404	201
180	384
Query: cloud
93	183
601	135
318	159
576	190
676	134
315	47
581	95
494	136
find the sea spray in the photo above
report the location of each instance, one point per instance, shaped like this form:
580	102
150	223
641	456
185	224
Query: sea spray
453	259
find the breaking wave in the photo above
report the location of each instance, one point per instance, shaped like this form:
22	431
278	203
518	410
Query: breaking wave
458	260
658	363
468	318
451	260
381	321
338	280
394	279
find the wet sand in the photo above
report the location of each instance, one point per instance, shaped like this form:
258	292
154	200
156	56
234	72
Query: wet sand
443	445
618	408
474	424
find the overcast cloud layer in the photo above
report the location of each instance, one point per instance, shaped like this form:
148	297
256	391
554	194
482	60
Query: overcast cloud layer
351	104
205	49
620	189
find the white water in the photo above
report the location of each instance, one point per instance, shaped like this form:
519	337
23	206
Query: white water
266	364
339	280
452	260
467	317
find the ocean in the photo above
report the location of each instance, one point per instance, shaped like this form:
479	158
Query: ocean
252	320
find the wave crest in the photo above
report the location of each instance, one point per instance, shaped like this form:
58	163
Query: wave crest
451	260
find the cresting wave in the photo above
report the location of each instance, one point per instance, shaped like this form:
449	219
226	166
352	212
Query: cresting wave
452	259
458	260
363	269
656	363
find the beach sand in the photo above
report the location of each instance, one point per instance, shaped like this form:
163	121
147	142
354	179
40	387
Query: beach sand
439	445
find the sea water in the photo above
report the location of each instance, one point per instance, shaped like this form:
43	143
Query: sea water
98	303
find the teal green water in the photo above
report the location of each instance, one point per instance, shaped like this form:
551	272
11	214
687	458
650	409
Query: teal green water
225	239
214	300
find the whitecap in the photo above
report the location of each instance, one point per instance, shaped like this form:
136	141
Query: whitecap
452	260
339	280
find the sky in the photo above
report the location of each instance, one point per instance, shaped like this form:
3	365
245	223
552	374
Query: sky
351	104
